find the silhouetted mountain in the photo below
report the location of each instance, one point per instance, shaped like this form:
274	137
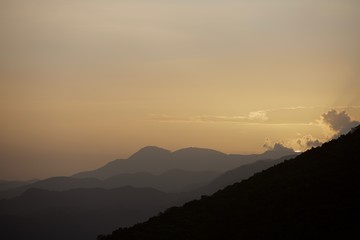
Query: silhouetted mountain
6	185
151	153
157	160
314	196
148	159
79	213
201	158
239	174
175	180
54	183
171	181
277	151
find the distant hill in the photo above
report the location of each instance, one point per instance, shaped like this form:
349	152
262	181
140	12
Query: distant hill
313	196
82	212
174	180
78	213
55	184
157	160
6	185
40	212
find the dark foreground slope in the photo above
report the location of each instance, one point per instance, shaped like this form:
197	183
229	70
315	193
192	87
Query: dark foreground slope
239	174
313	196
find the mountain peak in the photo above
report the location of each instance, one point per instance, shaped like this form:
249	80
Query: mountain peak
278	151
197	151
151	152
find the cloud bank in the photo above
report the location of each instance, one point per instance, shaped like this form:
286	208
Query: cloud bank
309	141
287	116
276	147
252	117
339	122
334	122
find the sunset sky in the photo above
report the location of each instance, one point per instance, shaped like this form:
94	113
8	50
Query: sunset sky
83	82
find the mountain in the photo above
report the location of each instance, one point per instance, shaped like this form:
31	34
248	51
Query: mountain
157	160
6	185
239	174
202	158
151	153
175	180
316	195
78	213
55	184
148	159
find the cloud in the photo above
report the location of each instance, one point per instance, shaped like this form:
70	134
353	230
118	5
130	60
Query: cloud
268	144
276	147
309	141
258	115
338	121
300	115
313	143
333	122
252	117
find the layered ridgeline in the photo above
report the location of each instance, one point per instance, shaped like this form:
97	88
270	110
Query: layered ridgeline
156	160
72	208
313	196
183	170
6	185
82	213
78	213
175	180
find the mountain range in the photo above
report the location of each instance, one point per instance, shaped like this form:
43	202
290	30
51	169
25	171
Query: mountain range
158	160
6	185
80	205
174	180
180	171
312	196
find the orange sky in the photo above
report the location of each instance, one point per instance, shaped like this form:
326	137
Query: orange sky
83	82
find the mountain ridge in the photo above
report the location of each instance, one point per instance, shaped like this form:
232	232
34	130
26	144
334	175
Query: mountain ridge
238	174
312	196
194	159
175	180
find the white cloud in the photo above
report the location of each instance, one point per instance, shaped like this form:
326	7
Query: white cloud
289	116
258	115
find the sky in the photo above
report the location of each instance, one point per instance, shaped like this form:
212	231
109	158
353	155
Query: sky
84	82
